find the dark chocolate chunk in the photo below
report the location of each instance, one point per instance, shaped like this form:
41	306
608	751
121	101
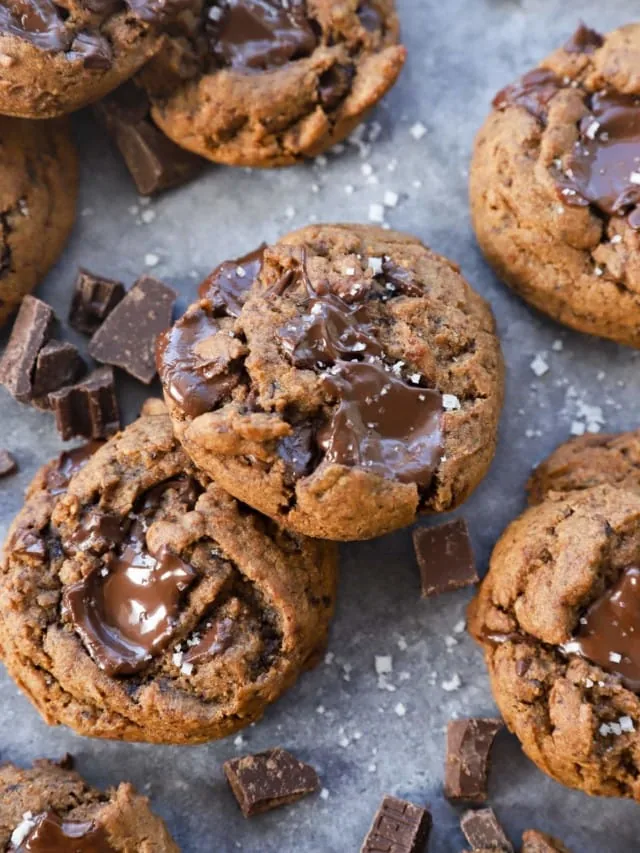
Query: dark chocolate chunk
94	298
127	338
468	747
482	831
69	463
93	49
50	833
534	92
228	286
398	827
8	464
584	40
445	557
31	331
269	779
155	162
88	409
58	364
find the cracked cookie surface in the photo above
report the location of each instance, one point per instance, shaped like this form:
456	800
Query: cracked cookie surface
268	82
346	380
556	618
141	602
555	186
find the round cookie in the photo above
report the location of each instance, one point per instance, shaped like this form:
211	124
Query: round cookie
555	186
556	616
49	807
140	602
270	82
586	461
340	381
38	188
539	842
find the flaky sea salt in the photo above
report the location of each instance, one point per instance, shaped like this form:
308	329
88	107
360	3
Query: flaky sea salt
452	683
376	212
383	664
450	402
400	709
417	130
539	365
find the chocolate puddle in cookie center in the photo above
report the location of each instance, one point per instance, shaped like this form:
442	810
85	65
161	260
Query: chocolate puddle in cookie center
51	834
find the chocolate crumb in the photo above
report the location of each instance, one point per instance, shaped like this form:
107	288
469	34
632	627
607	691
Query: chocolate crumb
88	409
58	364
469	745
445	557
8	464
268	780
398	827
94	298
483	832
32	329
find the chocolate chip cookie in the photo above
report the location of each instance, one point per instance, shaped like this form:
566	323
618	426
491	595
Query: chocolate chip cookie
270	82
555	185
50	808
141	602
557	617
38	187
340	381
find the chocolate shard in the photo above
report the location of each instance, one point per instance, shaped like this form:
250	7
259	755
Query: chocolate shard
94	298
31	331
482	831
154	161
445	557
469	745
58	364
127	338
88	409
8	464
268	780
398	827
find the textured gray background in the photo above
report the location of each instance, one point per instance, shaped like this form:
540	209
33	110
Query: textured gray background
460	53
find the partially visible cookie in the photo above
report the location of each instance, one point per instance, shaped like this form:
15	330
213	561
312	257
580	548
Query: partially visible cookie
555	185
586	461
49	807
270	82
539	842
38	188
140	602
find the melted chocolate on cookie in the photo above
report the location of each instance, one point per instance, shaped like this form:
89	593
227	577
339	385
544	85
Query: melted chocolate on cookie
51	834
227	287
69	463
36	21
534	91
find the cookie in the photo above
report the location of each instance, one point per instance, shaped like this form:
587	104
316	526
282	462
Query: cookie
141	602
555	185
556	617
586	461
340	381
50	807
269	82
59	55
38	188
539	842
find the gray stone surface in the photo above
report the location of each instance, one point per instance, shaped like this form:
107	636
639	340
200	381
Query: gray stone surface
337	717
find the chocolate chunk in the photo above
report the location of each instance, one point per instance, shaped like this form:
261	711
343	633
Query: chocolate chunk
69	463
37	22
127	338
88	409
334	85
534	92
398	827
154	161
445	557
468	747
94	298
228	286
268	780
31	331
482	831
8	464
584	40
58	364
93	49
49	832
299	450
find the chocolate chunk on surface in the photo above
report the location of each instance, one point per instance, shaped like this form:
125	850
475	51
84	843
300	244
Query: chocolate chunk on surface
32	329
482	830
8	464
127	338
398	827
469	744
268	780
94	298
445	557
88	409
59	363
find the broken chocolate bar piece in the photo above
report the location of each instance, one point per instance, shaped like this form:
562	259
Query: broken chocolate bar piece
468	747
88	409
154	161
445	557
127	338
58	364
269	779
94	298
398	827
32	329
482	831
8	464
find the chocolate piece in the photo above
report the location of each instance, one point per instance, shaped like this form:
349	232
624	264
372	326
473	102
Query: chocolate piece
398	827
604	167
534	91
299	451
268	780
228	286
401	280
260	34
51	834
155	162
36	21
445	557
69	463
469	744
584	40
31	331
608	635
88	409
8	464
127	338
217	639
94	298
58	364
93	49
482	831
